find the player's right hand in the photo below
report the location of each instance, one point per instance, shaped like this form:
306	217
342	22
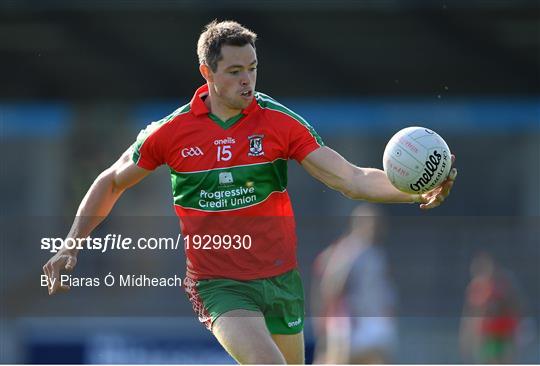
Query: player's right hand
64	260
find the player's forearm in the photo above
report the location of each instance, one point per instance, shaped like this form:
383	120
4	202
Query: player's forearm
373	185
96	205
357	183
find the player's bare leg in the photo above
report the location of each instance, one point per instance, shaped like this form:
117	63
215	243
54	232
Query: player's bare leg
244	335
292	347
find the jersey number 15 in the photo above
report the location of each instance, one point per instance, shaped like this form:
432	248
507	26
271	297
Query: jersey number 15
224	153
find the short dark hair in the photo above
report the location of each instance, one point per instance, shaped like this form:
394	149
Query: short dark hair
216	34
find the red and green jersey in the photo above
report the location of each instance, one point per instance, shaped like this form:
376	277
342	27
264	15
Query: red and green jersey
229	178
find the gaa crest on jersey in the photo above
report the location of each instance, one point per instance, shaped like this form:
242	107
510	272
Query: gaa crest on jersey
256	145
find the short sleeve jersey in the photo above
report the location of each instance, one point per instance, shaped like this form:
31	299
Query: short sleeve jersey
229	184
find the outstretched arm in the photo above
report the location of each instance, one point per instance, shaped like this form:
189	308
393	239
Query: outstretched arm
95	206
367	183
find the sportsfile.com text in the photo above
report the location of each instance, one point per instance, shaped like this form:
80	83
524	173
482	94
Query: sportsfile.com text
121	242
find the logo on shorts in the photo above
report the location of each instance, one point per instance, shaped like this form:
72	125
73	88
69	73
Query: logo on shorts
255	145
191	151
295	323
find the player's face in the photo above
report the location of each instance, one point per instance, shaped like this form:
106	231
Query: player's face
235	77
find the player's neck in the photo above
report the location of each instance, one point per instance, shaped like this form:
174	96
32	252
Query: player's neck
218	109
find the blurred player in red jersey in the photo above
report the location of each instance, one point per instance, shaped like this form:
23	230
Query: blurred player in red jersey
491	315
227	151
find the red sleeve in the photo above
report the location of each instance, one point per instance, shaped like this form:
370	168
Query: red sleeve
303	140
149	147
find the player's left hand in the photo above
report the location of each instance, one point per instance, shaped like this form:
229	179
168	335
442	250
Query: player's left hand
437	196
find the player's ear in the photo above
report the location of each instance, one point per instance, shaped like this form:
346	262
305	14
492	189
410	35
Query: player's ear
206	73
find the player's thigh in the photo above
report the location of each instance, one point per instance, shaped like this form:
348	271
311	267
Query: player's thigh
244	335
291	346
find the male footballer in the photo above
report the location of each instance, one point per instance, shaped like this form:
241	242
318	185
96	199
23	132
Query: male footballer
227	151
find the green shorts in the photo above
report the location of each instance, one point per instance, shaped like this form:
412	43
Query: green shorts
280	299
495	349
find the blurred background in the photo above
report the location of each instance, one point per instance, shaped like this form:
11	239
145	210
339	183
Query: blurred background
80	79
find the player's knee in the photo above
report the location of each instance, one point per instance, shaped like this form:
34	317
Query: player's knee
259	355
268	357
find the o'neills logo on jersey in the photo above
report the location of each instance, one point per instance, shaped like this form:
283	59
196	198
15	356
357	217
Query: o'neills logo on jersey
226	141
255	145
191	151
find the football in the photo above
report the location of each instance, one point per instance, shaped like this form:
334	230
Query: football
416	160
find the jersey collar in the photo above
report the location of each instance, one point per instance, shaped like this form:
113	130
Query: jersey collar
199	108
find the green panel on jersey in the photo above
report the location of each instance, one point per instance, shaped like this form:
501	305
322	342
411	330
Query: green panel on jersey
225	124
267	102
151	128
229	188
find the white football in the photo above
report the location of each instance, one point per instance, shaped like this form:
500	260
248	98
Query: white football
416	160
